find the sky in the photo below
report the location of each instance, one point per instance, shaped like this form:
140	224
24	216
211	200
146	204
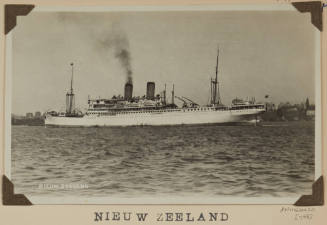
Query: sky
260	53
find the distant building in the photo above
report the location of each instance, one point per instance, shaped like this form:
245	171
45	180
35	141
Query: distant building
29	115
289	112
270	107
37	114
307	104
13	116
310	112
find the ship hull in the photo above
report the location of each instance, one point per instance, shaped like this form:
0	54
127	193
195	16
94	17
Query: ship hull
156	118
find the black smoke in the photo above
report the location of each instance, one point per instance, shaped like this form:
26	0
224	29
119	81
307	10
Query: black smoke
124	57
108	43
116	41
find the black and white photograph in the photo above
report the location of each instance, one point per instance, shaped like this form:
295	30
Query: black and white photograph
163	105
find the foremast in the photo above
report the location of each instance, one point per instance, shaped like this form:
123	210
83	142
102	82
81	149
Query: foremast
70	96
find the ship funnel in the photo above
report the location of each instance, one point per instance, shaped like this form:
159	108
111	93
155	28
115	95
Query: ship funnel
150	88
128	91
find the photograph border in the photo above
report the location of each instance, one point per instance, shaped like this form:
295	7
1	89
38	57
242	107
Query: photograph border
227	200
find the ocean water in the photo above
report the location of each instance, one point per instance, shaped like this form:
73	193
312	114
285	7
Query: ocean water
272	160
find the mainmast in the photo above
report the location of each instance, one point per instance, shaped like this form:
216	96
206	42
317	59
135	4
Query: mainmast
71	81
217	82
173	96
165	102
215	95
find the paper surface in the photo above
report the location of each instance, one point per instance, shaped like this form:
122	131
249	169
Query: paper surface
236	214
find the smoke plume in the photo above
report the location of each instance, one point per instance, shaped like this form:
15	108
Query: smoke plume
123	55
116	41
120	44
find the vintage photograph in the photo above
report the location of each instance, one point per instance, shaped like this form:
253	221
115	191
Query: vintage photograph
180	105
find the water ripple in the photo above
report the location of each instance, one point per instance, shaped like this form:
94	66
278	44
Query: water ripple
242	161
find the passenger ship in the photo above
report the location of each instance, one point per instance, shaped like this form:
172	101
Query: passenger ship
154	110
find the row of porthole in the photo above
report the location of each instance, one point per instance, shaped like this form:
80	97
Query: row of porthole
96	113
201	109
151	111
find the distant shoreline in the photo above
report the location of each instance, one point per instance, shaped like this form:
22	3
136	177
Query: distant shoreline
262	123
27	122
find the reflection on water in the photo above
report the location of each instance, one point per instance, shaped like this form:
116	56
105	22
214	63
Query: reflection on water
243	161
